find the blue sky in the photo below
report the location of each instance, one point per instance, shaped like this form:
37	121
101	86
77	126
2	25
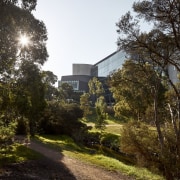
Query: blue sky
79	31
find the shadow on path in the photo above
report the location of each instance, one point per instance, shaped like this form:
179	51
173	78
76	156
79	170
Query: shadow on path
49	167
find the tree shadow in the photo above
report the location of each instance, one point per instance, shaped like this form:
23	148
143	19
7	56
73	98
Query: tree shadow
48	166
41	169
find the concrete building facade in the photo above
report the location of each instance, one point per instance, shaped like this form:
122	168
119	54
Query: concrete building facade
82	73
81	69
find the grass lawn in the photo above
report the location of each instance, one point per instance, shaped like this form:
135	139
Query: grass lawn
68	147
114	129
112	126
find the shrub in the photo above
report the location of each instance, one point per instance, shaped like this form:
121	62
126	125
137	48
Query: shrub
62	119
141	140
111	141
7	132
91	138
22	126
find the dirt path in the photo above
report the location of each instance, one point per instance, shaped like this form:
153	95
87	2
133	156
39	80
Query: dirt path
80	170
55	166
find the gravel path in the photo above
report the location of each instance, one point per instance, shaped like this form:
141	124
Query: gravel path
55	166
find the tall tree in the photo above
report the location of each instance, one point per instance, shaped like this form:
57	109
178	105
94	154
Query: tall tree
101	106
32	91
134	88
85	104
17	21
95	88
160	47
49	79
65	92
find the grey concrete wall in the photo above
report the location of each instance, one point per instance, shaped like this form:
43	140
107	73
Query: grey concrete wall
81	69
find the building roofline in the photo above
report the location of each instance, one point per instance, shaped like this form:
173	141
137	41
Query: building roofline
106	57
82	64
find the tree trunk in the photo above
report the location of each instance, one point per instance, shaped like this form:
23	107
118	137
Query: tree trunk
158	127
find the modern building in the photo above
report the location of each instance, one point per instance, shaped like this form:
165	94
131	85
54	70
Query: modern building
109	64
78	82
81	69
82	73
173	74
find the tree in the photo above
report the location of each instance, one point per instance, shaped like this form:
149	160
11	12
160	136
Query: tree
16	20
101	114
66	92
24	4
85	104
95	88
31	94
135	88
59	118
49	79
159	47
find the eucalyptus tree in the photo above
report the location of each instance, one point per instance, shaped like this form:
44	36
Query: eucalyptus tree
65	92
85	104
101	114
49	80
160	47
95	88
136	88
22	43
31	94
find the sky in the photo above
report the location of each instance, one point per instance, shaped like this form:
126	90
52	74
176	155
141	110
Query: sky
79	31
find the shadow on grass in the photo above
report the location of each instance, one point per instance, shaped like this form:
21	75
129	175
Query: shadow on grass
35	162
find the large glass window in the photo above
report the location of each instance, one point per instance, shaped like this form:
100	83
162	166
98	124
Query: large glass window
74	84
111	64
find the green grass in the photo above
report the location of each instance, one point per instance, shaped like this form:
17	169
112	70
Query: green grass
68	147
17	153
113	127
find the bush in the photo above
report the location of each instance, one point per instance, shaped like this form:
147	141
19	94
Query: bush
141	140
22	126
62	119
91	138
111	141
7	132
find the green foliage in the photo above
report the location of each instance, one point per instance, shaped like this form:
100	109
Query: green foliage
62	142
25	4
133	88
30	99
70	148
85	104
95	87
18	153
111	141
22	126
101	113
21	88
7	132
142	140
49	79
65	92
160	48
91	138
62	119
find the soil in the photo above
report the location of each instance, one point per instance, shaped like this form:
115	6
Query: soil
56	166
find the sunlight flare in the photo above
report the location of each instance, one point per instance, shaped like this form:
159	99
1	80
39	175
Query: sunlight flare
24	40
